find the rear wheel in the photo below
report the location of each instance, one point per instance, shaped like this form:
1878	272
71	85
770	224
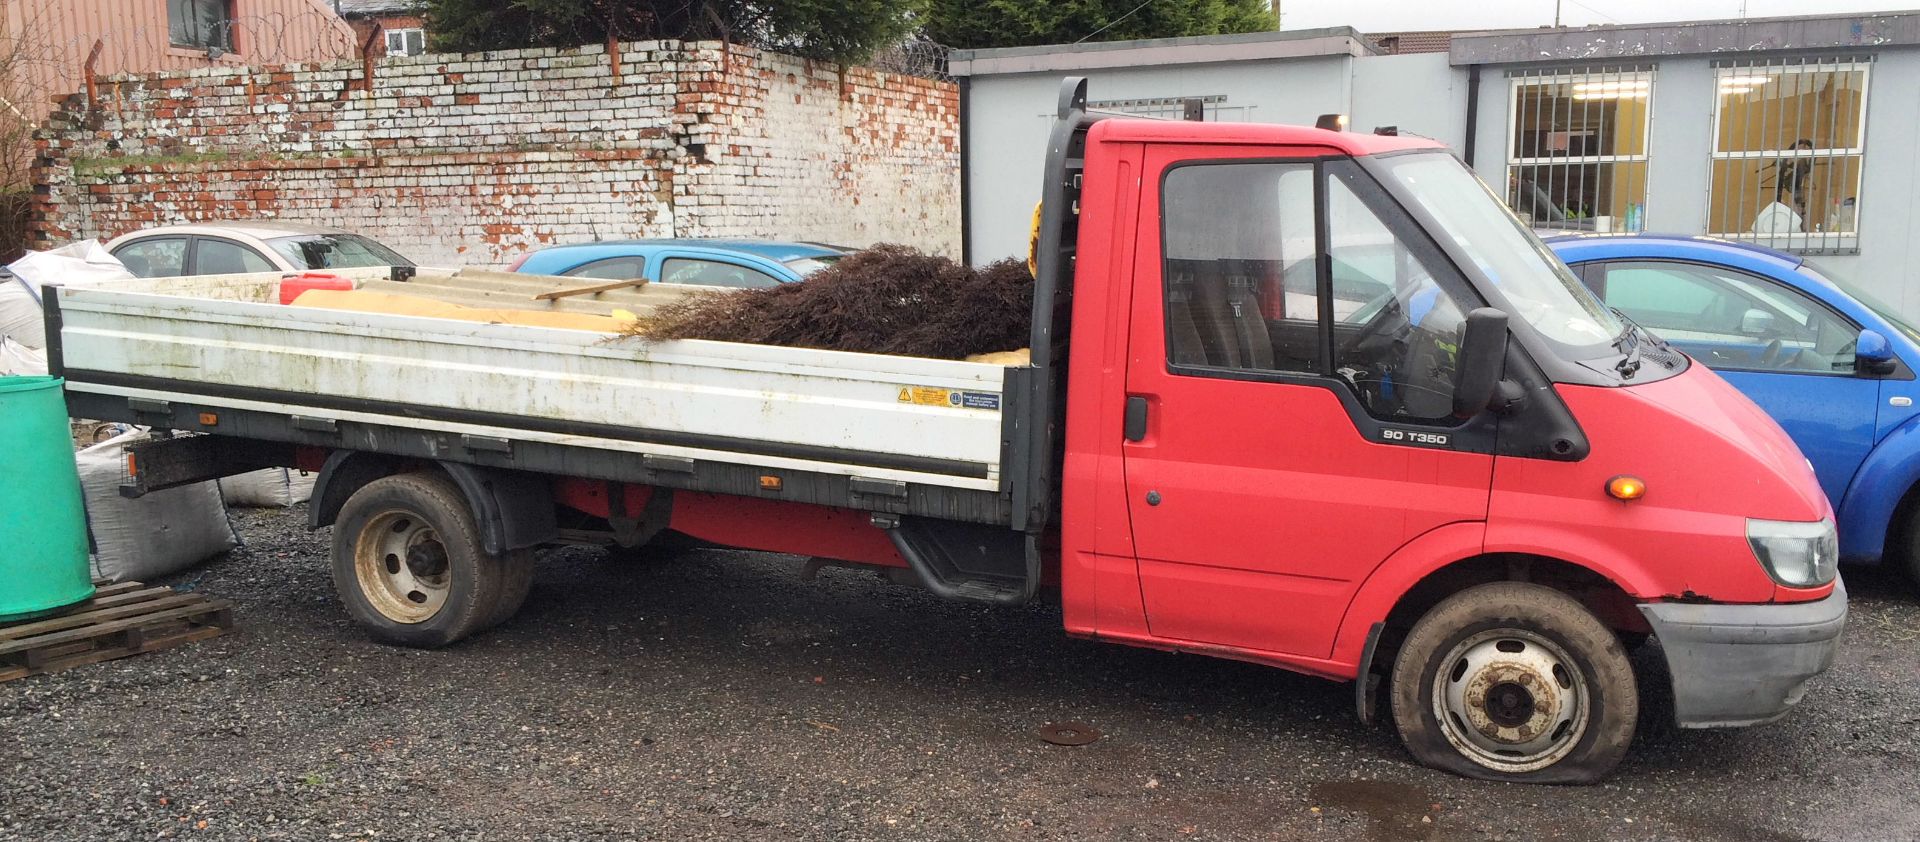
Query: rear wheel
408	563
1518	682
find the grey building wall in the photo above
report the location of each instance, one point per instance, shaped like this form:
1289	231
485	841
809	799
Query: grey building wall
1889	214
1008	117
1420	93
1679	149
1426	94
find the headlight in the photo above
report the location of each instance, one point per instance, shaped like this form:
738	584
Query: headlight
1795	553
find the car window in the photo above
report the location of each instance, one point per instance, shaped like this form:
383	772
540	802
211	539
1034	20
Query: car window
1664	299
336	251
804	266
155	257
224	257
1730	319
611	269
711	273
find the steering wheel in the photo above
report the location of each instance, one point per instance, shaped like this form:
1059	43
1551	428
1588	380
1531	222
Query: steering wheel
1770	355
1373	336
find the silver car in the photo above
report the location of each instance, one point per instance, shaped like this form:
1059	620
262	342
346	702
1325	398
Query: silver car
221	248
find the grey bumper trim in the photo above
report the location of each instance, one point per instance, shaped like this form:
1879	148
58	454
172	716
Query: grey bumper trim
1735	665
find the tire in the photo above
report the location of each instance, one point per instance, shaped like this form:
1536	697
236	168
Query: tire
1511	681
1907	546
409	565
519	566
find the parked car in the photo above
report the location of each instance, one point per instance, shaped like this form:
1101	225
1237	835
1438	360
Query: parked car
720	263
222	248
1827	361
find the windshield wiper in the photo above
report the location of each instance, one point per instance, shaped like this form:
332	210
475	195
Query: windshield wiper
1628	344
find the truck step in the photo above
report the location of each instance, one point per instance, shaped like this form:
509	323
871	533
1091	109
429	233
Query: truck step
121	619
970	562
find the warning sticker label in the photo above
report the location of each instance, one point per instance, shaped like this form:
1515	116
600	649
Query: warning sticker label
932	396
929	396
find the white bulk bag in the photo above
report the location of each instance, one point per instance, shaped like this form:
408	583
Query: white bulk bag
18	360
158	534
83	262
267	488
20	318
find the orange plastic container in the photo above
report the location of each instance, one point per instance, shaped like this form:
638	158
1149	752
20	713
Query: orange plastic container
291	287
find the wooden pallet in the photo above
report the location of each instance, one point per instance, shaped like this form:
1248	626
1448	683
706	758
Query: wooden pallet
121	619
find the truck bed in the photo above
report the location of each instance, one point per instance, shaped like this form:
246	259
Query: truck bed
887	433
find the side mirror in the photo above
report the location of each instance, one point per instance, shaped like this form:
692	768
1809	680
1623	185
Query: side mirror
1756	323
1873	354
1481	362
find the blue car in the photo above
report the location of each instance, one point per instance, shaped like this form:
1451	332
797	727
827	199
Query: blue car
719	263
1833	366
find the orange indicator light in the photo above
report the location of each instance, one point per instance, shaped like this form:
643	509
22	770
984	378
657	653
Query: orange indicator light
1624	487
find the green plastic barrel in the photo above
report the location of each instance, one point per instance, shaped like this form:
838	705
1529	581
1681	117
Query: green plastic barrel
43	523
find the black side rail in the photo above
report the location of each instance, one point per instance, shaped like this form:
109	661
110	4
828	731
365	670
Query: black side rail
1035	452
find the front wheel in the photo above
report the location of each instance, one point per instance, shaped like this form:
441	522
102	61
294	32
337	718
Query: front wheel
1511	681
409	564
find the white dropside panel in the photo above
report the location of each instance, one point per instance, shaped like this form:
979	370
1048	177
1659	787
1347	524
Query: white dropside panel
929	421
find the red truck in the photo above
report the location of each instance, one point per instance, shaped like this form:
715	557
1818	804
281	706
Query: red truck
1299	397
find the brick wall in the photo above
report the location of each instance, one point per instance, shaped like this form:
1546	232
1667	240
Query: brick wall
474	159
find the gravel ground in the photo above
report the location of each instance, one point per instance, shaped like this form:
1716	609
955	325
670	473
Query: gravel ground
719	695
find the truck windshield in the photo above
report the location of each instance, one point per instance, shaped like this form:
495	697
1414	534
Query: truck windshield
1541	290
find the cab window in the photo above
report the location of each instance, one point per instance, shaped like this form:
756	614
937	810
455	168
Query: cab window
1240	286
1245	291
1399	355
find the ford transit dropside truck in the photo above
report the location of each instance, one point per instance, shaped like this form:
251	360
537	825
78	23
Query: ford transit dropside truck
1305	398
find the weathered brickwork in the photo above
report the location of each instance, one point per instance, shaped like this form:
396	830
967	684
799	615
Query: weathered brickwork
474	159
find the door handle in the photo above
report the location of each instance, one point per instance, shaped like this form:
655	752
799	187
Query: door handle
1136	422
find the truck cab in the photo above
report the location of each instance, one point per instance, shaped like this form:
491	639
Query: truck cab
1330	406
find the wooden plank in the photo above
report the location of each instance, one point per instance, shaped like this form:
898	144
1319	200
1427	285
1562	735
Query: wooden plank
123	605
200	607
94	656
102	587
597	288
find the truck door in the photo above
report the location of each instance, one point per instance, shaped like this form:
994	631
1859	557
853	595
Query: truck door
1289	420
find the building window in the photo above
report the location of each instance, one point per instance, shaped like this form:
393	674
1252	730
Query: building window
1788	142
1578	159
406	42
200	24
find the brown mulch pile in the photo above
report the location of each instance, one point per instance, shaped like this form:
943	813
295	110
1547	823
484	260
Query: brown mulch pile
889	299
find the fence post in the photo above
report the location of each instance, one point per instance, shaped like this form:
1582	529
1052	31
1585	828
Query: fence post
366	57
613	56
93	55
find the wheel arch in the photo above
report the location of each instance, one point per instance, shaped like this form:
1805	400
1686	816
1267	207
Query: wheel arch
1450	559
1870	517
513	509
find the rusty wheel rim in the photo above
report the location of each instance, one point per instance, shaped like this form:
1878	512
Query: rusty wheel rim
1511	700
402	567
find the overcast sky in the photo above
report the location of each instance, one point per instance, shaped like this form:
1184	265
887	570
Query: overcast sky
1395	15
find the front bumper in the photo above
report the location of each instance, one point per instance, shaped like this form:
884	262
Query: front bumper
1735	665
